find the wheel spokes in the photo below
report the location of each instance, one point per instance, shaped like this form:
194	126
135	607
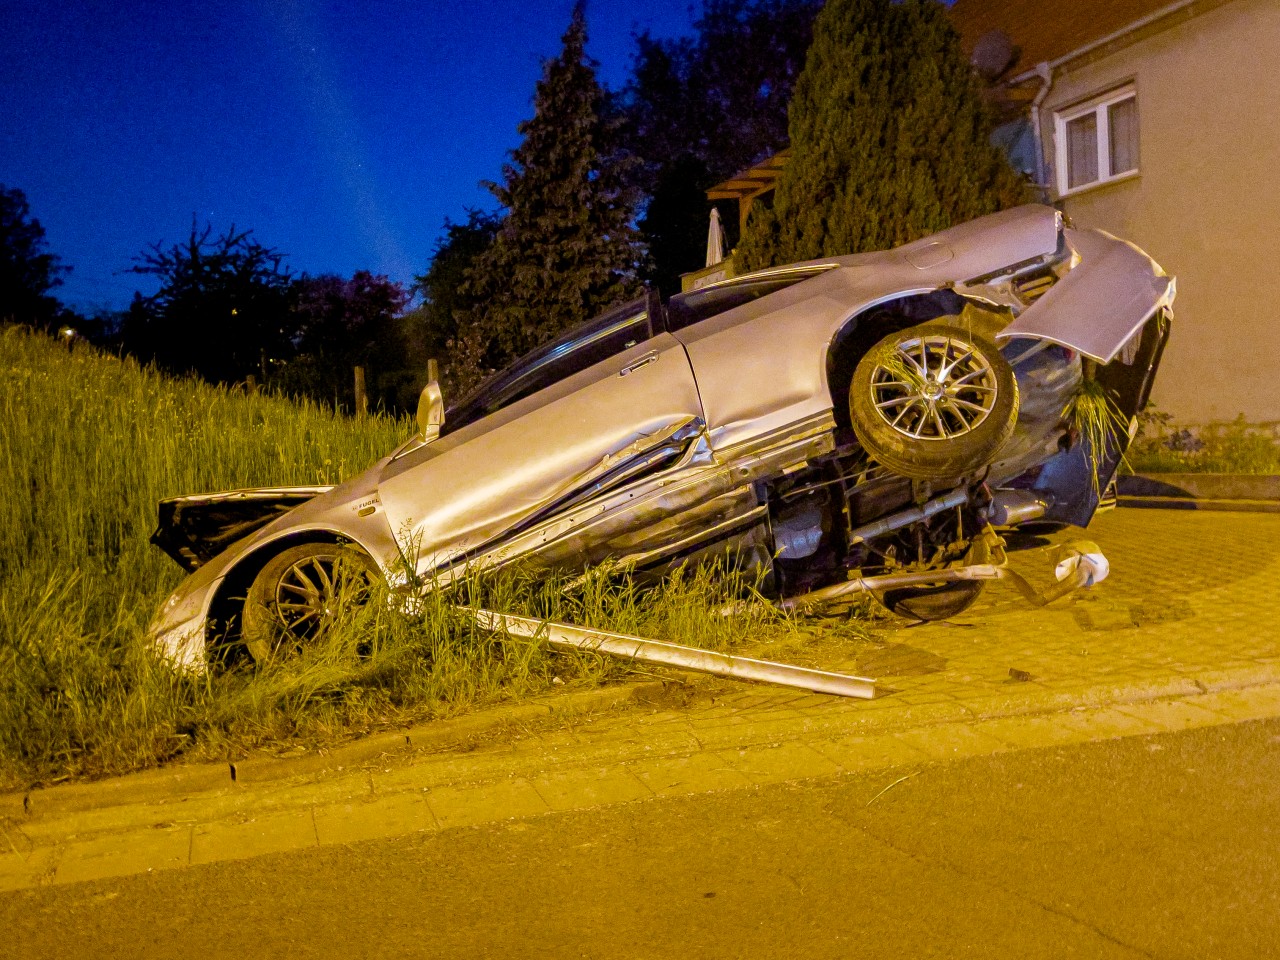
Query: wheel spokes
947	402
977	408
306	593
894	401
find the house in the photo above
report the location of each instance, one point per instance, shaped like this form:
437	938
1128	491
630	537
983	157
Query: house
1159	122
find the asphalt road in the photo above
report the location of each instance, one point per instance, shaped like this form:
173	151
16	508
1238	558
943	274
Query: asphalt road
1163	846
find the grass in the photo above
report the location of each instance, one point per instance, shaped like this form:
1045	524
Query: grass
1097	420
1234	447
89	443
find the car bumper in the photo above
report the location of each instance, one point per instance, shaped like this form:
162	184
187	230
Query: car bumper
178	628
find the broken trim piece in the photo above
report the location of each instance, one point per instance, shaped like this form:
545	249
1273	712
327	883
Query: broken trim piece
623	646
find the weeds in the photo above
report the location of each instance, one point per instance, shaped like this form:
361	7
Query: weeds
1235	447
1098	421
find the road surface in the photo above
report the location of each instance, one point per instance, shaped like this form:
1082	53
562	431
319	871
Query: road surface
1158	846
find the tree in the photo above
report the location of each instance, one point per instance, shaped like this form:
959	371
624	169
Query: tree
27	270
565	249
340	324
222	309
700	109
675	222
889	139
432	328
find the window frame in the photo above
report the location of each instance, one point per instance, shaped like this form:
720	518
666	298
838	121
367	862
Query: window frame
562	358
1100	107
691	307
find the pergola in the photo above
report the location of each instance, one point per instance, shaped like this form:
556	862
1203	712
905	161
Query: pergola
746	186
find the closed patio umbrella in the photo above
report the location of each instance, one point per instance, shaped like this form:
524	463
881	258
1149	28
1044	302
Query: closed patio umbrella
715	239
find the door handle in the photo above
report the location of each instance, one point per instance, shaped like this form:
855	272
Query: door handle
649	357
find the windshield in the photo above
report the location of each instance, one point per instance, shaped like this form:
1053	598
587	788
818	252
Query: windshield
598	339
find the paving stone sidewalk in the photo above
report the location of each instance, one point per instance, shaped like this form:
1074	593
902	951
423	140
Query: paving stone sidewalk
1183	633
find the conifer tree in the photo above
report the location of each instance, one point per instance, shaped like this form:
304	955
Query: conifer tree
566	248
889	139
27	270
699	109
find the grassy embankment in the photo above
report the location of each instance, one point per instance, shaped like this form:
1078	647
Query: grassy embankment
89	444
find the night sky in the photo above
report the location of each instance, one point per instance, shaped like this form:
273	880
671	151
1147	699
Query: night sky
342	133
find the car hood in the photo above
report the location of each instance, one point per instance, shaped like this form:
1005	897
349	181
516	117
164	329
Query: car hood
194	529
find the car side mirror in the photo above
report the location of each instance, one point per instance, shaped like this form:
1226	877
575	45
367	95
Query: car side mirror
431	405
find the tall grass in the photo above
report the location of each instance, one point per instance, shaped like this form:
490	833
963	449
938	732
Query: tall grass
89	443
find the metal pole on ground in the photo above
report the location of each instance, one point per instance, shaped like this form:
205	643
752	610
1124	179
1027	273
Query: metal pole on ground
568	636
362	398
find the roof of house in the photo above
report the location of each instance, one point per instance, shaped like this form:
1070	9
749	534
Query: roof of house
1047	31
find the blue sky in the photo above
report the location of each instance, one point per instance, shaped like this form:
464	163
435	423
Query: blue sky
342	133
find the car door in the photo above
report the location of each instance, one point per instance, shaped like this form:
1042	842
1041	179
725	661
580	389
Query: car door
558	424
759	349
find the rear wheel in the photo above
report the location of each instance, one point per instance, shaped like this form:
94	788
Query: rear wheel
932	602
297	596
932	402
939	543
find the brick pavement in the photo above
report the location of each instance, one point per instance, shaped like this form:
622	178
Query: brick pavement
1184	633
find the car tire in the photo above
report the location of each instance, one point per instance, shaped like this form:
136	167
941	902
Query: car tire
933	402
936	602
292	599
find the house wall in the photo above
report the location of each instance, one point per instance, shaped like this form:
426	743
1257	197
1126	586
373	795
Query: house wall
1206	200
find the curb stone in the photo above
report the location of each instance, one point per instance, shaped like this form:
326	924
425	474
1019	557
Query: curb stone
1192	503
1201	486
185	779
1241	492
408	746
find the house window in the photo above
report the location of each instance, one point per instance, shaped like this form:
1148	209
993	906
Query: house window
1097	141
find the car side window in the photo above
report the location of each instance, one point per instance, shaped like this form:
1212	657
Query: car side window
685	309
580	348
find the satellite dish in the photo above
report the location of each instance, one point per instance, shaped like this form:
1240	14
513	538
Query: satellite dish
993	54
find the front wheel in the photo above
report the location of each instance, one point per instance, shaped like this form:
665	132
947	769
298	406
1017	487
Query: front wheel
932	402
296	596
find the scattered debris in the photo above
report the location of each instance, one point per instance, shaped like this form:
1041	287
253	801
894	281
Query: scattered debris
1077	564
889	787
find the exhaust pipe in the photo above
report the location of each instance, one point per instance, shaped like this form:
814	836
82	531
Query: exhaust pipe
1008	508
1012	507
904	518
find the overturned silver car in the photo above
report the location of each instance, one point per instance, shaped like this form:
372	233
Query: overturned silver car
816	422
